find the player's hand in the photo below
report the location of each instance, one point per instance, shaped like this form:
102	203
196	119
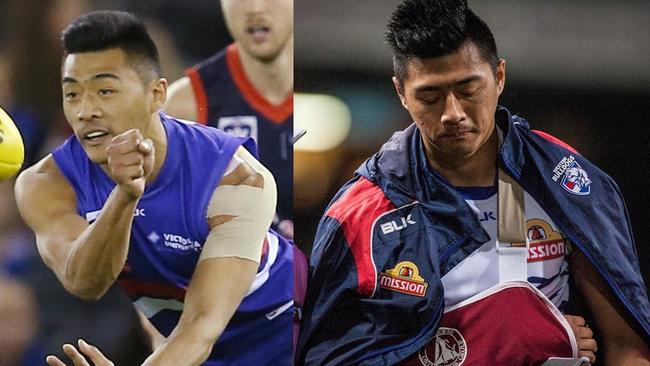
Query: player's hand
130	161
77	357
587	346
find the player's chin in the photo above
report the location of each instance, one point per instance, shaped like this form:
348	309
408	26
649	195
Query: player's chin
459	149
466	144
265	52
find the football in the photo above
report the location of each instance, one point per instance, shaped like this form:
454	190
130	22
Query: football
12	150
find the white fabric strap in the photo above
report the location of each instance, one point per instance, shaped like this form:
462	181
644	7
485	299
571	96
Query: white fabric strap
513	262
512	241
559	361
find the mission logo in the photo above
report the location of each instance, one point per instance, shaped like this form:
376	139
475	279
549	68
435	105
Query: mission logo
544	242
404	278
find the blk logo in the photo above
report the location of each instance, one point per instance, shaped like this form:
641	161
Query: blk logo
487	216
396	225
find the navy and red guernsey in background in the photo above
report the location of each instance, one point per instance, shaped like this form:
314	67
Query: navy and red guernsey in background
227	100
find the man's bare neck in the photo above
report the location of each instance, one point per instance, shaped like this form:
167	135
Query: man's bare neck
272	79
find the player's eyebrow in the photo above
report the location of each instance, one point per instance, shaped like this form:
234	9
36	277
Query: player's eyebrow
68	79
468	80
427	88
434	87
102	75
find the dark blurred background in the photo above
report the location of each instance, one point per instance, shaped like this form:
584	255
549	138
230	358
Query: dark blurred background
575	69
36	314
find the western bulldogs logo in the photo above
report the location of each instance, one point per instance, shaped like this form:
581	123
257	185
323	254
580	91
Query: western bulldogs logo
450	349
240	126
575	180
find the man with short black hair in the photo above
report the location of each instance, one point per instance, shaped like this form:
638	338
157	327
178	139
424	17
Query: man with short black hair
176	212
455	243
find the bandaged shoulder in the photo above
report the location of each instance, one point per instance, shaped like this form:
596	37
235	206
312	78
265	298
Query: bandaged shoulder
252	209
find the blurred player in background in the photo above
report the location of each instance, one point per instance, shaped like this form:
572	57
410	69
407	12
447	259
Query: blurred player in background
247	89
176	212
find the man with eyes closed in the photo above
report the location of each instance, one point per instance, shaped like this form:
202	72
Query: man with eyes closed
409	265
177	213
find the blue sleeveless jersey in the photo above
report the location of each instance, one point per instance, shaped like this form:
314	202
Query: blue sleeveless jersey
168	232
227	100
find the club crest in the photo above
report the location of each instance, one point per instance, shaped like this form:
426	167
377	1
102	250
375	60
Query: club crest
576	180
450	349
240	126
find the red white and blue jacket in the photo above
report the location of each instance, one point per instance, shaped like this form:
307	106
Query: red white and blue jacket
396	211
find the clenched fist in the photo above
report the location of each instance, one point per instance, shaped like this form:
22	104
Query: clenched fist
130	161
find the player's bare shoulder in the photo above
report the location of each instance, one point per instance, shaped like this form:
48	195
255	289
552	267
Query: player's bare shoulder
43	183
40	175
181	101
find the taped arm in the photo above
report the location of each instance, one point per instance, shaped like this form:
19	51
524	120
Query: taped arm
242	212
227	266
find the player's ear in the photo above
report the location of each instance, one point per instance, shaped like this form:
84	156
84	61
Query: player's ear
158	93
400	91
501	76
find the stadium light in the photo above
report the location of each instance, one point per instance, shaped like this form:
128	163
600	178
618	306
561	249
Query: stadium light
325	118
